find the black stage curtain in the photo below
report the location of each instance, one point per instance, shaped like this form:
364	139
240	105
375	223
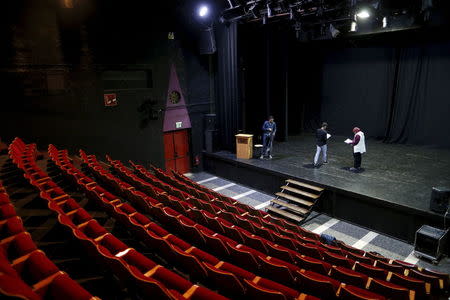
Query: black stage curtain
398	94
421	106
228	100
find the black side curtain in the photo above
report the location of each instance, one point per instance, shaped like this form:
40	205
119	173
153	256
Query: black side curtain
421	104
228	100
398	94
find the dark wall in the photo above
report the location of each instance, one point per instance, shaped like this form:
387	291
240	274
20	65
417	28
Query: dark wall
56	63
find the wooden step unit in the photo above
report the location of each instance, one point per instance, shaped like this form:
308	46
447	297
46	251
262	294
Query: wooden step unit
285	214
295	199
293	207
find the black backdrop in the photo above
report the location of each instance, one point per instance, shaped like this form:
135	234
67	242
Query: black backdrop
396	93
395	87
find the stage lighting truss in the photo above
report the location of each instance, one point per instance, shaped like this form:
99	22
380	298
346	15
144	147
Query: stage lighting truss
339	17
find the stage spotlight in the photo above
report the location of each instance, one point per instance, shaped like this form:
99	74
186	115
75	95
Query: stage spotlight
233	14
203	11
363	14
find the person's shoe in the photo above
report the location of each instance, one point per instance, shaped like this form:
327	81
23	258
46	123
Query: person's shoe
261	157
325	162
353	169
270	157
315	165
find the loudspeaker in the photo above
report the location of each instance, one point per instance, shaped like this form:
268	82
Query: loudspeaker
430	242
210	122
207	41
440	198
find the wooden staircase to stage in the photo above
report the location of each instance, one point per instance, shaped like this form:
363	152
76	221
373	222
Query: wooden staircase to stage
295	201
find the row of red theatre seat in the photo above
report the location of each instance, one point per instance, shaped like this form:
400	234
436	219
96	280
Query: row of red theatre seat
376	266
25	271
245	220
276	224
387	264
126	263
225	276
249	261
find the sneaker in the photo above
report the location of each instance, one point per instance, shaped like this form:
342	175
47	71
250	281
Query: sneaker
261	157
270	157
325	162
353	169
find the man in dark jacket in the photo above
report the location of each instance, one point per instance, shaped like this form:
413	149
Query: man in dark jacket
269	129
321	144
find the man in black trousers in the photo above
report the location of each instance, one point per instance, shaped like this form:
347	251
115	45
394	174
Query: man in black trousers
321	144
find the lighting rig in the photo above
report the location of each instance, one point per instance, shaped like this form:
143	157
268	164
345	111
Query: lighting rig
324	19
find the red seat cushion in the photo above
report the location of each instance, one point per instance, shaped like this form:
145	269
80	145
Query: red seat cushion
63	287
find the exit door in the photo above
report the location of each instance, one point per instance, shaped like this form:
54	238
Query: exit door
176	149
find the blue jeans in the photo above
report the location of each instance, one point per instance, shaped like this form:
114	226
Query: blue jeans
322	149
267	144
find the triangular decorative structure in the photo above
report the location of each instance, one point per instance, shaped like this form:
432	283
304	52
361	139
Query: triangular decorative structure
176	116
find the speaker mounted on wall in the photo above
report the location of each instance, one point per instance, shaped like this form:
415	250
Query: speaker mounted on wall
207	41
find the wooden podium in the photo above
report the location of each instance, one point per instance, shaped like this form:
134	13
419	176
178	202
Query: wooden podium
244	146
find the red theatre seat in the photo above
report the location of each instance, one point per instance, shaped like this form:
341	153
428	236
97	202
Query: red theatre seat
353	293
255	291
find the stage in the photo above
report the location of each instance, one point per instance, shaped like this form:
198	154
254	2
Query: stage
390	195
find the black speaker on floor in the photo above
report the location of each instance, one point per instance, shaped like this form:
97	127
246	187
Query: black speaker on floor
211	140
430	242
207	41
440	199
211	133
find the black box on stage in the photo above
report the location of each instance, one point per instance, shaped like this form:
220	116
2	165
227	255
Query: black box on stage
440	199
430	242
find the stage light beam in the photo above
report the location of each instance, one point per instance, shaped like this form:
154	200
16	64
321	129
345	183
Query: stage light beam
203	11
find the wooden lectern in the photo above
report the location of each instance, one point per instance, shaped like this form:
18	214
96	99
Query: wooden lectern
244	146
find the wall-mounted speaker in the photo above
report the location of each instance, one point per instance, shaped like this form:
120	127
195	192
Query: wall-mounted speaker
207	41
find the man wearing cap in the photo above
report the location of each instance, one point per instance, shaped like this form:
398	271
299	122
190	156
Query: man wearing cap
359	147
269	129
321	144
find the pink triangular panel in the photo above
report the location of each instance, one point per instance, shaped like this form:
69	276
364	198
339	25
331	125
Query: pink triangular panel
176	116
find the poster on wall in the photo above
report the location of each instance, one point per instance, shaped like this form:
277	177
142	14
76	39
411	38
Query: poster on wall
110	99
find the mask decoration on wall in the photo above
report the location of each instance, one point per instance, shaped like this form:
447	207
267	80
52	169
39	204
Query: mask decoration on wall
148	112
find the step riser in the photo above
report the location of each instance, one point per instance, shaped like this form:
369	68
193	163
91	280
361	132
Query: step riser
299	192
299	201
291	207
285	214
305	185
